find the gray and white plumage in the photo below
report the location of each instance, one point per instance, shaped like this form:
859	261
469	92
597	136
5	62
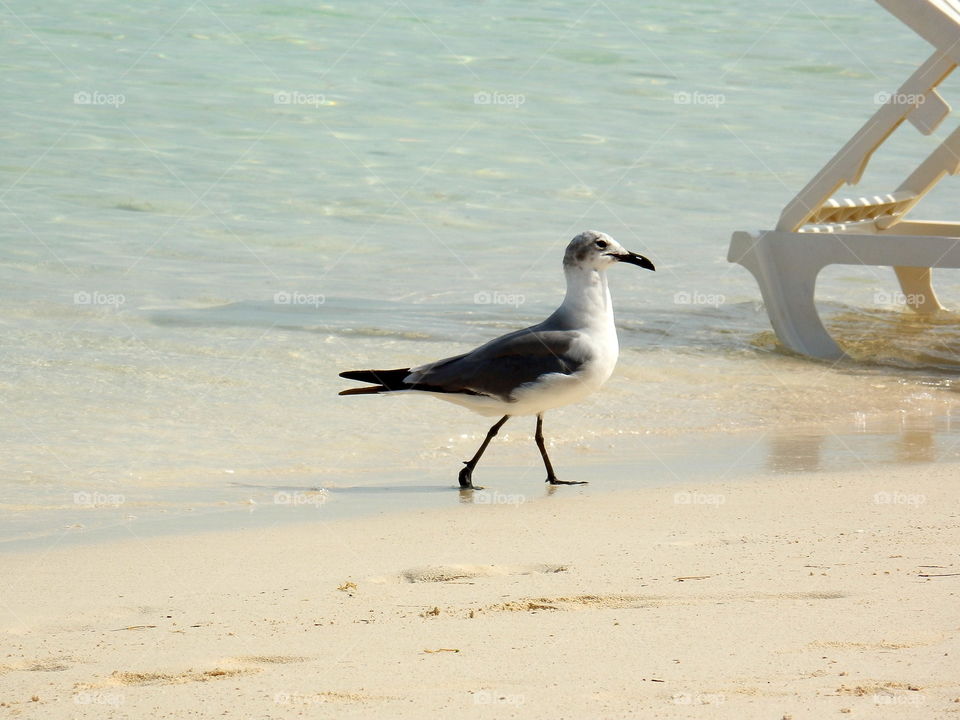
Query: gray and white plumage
553	363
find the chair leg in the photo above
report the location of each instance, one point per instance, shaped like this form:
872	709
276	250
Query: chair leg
787	276
918	290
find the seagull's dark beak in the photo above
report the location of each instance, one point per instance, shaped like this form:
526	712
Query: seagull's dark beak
634	259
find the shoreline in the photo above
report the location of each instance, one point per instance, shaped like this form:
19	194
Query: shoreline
799	595
251	502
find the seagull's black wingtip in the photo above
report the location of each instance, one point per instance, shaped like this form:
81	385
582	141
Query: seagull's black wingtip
387	379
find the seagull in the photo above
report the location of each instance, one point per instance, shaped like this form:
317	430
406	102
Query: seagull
527	372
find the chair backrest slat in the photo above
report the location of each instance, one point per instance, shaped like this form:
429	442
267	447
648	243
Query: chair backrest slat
938	22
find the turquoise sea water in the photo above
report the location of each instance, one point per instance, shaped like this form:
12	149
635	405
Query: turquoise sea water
209	209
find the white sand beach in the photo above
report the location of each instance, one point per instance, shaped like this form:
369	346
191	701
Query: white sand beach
804	596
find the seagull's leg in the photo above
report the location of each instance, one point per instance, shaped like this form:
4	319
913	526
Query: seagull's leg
551	478
465	479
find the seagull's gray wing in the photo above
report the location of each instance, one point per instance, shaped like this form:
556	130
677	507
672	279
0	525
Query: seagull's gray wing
505	363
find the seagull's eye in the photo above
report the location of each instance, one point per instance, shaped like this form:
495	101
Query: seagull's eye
601	244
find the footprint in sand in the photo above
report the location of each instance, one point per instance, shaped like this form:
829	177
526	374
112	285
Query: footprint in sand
225	668
124	677
267	659
330	696
452	573
578	602
622	601
44	665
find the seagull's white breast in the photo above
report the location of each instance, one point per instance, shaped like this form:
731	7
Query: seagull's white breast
556	389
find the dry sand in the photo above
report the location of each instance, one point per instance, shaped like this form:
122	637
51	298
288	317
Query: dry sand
790	597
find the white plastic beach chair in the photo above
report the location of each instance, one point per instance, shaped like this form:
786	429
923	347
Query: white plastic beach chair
816	229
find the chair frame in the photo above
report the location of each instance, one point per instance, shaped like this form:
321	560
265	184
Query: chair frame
815	229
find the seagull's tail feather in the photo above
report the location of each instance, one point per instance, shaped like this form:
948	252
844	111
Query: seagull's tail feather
393	380
369	390
383	380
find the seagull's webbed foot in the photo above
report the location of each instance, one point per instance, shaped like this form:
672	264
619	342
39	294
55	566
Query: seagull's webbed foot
466	478
553	481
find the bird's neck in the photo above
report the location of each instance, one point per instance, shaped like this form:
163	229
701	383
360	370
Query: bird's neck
588	297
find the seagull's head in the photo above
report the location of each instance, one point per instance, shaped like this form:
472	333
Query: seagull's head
593	250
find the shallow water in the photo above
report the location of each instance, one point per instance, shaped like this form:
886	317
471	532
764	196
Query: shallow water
210	209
